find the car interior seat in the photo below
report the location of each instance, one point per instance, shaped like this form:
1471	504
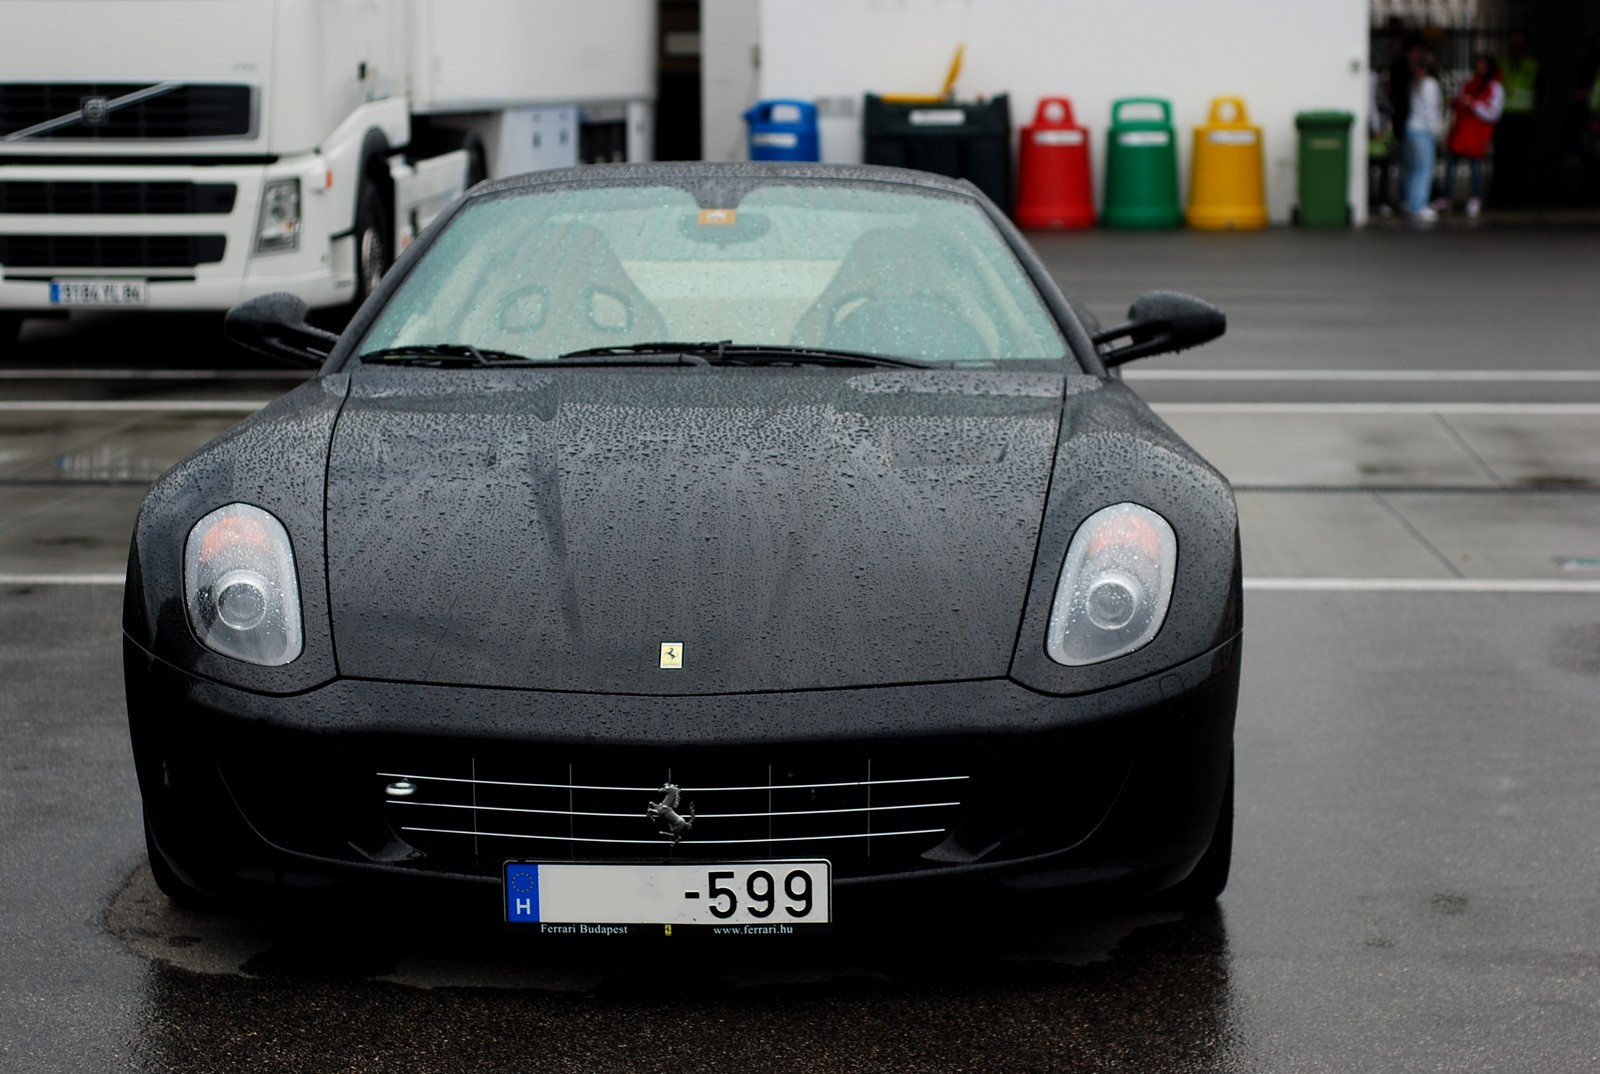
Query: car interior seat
895	293
578	296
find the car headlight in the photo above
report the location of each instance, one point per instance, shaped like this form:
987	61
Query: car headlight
1115	585
279	225
240	586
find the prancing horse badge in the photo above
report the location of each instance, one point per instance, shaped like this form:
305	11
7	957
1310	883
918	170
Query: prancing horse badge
669	822
672	654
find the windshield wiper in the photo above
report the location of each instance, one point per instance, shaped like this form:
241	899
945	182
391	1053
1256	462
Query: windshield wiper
722	352
459	355
696	352
443	354
774	354
727	352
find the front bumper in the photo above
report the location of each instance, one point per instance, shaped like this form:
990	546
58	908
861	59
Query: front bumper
1115	792
197	256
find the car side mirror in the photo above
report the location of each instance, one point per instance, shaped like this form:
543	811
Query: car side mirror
277	325
1161	322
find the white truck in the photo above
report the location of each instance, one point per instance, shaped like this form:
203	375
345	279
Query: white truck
190	154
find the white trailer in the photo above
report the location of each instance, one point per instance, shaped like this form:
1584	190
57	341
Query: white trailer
190	154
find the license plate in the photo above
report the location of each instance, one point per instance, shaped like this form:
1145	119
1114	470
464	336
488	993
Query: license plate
99	293
765	898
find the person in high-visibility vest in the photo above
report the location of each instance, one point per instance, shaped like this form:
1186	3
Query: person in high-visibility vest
1513	139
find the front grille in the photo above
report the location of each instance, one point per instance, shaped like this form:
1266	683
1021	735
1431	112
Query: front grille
116	198
123	111
110	251
860	814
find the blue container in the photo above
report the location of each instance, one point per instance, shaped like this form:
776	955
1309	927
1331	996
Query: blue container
783	130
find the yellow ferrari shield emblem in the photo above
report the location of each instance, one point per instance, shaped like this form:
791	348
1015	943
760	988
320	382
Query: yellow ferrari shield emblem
672	654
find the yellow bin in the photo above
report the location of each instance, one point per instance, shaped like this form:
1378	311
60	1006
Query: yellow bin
1227	185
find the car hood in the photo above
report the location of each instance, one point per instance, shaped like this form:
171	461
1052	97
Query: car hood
778	528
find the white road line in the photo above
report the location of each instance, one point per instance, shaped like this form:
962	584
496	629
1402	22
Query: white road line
1254	584
1422	585
154	374
1443	376
60	579
1267	409
68	406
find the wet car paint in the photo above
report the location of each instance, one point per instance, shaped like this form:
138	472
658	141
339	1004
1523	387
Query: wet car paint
540	534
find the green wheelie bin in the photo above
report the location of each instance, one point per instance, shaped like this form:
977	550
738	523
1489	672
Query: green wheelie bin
1324	169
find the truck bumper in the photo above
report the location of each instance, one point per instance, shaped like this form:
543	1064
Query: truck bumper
318	288
187	231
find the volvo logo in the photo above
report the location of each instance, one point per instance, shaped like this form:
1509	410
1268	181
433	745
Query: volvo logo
668	821
96	111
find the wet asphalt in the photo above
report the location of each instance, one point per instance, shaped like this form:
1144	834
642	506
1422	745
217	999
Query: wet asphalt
1416	861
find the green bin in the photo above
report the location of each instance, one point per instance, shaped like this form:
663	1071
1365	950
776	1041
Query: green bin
1142	166
1324	169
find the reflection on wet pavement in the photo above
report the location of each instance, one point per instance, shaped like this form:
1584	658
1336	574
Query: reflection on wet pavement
48	445
966	988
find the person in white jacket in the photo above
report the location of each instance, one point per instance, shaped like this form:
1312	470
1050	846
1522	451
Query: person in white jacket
1423	128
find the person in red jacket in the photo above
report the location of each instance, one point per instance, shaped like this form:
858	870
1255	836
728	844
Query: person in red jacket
1476	109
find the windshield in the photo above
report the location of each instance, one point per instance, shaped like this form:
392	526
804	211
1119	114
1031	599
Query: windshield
923	277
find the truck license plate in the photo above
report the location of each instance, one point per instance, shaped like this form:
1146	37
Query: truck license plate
99	293
764	898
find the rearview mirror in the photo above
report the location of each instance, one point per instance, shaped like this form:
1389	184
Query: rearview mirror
1161	322
276	325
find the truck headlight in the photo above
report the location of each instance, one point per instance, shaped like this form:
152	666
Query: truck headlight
240	586
1115	585
278	228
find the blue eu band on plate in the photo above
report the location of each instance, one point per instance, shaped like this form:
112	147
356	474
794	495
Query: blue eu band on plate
118	292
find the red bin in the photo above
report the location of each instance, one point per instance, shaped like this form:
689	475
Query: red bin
1054	184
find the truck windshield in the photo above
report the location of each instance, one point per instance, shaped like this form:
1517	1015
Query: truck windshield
861	269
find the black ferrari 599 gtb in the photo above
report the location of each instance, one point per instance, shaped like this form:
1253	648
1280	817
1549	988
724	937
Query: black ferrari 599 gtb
672	546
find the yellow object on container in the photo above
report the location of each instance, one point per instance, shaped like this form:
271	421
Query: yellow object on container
942	96
1227	185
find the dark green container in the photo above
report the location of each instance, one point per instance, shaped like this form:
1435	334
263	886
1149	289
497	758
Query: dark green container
1324	169
1142	166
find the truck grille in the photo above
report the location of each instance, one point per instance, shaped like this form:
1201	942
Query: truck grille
110	251
116	198
124	111
862	815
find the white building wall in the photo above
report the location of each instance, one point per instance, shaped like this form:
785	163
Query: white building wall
1281	56
484	54
730	72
